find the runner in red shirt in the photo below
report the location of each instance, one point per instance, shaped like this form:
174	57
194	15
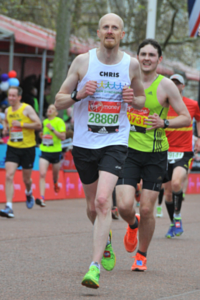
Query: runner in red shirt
180	155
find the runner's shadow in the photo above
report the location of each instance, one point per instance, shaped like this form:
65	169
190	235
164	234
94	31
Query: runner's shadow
90	295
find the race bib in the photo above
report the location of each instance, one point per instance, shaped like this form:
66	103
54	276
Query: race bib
16	134
103	116
174	156
47	140
137	118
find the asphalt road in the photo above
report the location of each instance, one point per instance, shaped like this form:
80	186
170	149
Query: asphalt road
45	252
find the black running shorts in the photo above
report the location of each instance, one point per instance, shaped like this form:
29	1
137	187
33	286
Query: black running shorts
183	162
89	162
52	157
149	166
24	157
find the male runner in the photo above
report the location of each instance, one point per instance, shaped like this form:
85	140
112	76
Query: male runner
22	121
54	131
100	83
180	155
147	154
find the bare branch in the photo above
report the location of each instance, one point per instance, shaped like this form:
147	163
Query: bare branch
171	29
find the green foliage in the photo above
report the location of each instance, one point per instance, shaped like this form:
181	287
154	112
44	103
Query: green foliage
171	29
41	12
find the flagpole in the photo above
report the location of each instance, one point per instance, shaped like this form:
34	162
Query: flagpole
151	19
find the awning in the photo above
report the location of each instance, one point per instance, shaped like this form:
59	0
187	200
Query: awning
28	33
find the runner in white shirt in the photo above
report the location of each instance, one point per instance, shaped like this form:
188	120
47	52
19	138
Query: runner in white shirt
100	84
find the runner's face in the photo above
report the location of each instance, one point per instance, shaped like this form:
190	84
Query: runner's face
13	97
149	59
179	85
110	31
51	111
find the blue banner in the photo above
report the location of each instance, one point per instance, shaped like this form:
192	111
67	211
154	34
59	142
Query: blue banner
3	149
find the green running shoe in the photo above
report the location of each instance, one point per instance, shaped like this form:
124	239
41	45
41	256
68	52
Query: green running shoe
91	278
109	259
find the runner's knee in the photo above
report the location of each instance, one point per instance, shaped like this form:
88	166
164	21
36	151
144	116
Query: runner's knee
125	206
102	204
146	211
176	184
9	176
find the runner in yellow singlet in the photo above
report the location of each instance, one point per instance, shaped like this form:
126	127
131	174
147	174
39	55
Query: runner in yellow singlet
147	155
54	131
21	120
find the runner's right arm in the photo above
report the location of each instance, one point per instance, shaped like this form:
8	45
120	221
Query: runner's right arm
76	72
5	125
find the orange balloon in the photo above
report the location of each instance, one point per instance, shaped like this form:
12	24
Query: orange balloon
12	74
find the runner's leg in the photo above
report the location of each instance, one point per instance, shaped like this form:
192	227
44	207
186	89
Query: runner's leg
125	200
90	194
43	167
56	169
147	219
103	202
10	168
26	173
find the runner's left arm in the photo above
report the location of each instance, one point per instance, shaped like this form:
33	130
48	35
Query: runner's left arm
175	100
197	118
60	133
197	144
31	114
135	95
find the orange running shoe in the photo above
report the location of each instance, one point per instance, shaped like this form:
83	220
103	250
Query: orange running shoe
138	192
56	188
130	238
139	263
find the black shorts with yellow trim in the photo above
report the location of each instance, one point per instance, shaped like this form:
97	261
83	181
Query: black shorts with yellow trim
184	162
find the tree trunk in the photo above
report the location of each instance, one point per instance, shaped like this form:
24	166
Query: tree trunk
60	63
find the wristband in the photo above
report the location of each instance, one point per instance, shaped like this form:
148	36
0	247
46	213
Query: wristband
52	129
73	96
21	124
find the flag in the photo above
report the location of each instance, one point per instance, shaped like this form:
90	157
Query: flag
194	17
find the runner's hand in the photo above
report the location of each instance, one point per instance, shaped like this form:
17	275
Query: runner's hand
88	90
5	131
49	126
154	121
16	123
197	146
127	94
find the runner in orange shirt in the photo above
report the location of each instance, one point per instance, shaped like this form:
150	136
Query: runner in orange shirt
180	155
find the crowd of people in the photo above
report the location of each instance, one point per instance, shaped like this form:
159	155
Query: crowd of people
132	134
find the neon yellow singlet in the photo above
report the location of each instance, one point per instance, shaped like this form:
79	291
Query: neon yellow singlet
148	140
50	142
20	137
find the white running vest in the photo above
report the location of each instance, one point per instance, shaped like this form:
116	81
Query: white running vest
101	120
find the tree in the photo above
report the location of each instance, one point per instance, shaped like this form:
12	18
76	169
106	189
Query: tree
60	63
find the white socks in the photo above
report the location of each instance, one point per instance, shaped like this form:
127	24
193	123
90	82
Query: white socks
9	204
95	264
